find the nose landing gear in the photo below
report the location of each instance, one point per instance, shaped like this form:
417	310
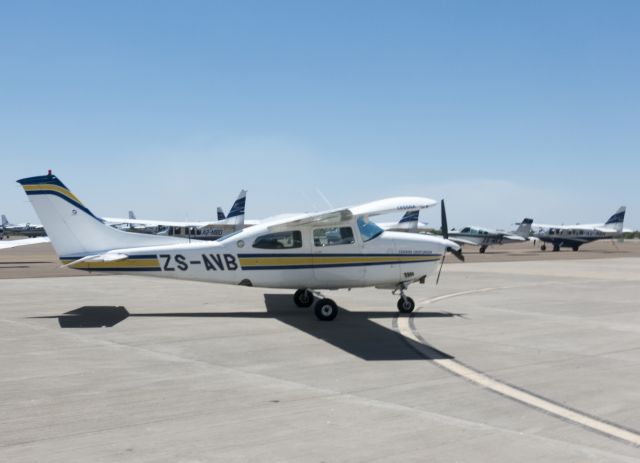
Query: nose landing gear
405	303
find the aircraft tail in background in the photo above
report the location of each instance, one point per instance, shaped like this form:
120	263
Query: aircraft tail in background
616	221
524	228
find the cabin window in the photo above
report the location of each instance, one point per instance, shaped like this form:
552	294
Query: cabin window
466	230
368	230
333	236
280	240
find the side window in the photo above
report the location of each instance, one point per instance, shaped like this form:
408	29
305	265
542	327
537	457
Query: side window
280	240
333	236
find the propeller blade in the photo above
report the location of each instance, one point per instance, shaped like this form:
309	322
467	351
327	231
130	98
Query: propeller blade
440	269
457	253
443	221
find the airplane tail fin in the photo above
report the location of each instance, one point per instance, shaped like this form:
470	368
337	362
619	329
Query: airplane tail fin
237	210
524	228
73	229
132	215
616	221
221	214
5	222
410	220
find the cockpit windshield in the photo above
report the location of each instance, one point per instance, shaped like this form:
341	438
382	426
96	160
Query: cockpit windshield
368	230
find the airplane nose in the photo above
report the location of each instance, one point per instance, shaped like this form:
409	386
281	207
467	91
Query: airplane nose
452	245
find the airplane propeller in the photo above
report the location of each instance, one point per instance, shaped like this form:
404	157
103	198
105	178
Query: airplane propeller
445	235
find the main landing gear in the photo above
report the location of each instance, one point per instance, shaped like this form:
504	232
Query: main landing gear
325	309
482	249
303	298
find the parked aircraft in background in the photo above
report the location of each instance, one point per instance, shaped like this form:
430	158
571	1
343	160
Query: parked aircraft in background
408	223
338	248
191	230
28	230
484	237
574	236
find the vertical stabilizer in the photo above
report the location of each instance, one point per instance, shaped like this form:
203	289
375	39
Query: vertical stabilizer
409	220
237	210
616	221
524	228
5	222
73	229
132	215
220	214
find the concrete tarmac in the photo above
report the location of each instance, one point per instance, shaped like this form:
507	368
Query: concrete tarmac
524	360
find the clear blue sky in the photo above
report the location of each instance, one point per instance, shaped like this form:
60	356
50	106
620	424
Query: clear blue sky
507	108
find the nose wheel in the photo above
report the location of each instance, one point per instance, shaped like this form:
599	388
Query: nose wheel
406	304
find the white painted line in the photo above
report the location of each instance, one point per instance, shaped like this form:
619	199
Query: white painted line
532	400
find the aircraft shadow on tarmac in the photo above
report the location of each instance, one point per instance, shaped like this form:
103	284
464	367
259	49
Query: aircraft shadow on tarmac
353	332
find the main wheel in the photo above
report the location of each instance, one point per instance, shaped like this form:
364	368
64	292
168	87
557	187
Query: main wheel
556	247
303	298
326	310
406	305
482	249
575	248
543	247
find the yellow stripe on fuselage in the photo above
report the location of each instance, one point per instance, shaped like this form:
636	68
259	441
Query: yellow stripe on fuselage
56	188
248	262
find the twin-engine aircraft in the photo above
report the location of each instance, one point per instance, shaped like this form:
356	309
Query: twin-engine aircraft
339	248
484	237
574	236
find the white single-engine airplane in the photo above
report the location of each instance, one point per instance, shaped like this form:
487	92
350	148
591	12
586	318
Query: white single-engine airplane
339	248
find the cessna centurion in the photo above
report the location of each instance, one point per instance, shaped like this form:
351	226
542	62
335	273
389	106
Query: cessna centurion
339	248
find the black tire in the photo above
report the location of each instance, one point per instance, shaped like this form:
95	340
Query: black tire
575	248
406	305
556	247
303	298
543	247
326	310
482	249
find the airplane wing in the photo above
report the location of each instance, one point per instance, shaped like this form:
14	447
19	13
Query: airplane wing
463	241
25	242
514	237
152	223
383	206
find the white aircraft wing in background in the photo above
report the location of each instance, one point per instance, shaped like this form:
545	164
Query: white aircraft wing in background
25	242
